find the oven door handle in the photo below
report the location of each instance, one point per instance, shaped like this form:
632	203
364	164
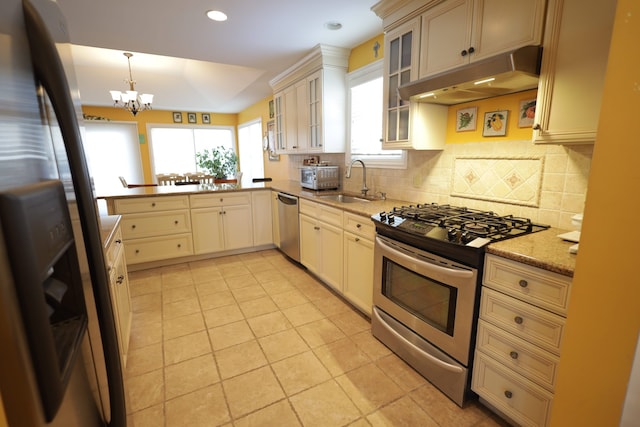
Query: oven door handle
409	259
434	359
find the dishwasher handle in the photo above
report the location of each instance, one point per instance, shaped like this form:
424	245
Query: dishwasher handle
287	199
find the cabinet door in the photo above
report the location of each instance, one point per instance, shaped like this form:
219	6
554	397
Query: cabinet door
238	228
302	116
275	221
401	67
331	258
574	61
278	100
358	271
314	109
503	25
123	314
290	112
446	35
310	243
207	230
261	210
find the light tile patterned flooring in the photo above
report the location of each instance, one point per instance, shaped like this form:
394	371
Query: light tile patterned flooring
253	340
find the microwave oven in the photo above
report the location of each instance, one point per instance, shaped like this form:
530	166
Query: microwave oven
320	177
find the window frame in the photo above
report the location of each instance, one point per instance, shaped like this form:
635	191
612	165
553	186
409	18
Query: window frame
362	75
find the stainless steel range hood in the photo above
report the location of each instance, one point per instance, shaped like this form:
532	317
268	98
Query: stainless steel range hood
509	72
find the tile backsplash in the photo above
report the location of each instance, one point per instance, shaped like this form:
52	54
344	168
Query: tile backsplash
547	183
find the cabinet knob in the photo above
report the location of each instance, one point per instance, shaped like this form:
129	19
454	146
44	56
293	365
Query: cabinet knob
357	239
118	241
514	355
179	245
518	320
463	53
316	228
137	251
120	279
221	199
472	49
358	225
537	126
153	205
175	222
523	283
508	394
133	226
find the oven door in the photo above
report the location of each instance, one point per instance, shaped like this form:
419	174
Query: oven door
308	178
431	295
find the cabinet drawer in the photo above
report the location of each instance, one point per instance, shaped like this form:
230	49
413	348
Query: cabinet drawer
308	208
114	248
220	199
530	323
151	204
157	248
146	225
520	399
533	285
528	360
330	215
360	225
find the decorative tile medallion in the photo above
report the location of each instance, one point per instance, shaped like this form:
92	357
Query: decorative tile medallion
515	180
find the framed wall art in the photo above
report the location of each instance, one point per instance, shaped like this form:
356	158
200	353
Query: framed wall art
527	113
206	118
466	119
177	117
192	118
495	123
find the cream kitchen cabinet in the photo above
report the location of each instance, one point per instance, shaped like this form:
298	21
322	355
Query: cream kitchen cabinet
310	103
155	228
458	32
321	242
359	235
522	318
408	125
574	62
119	291
261	215
221	221
275	218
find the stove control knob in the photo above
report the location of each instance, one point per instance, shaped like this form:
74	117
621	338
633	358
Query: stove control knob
452	234
391	218
466	237
383	216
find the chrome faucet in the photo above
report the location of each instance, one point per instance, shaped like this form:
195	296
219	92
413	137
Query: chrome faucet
364	176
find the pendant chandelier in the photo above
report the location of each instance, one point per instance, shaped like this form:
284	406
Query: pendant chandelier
130	100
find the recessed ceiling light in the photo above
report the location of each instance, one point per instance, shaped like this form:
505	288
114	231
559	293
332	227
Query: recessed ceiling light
333	25
216	15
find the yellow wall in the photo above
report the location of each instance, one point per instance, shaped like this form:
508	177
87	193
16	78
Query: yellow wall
365	53
604	312
153	116
511	103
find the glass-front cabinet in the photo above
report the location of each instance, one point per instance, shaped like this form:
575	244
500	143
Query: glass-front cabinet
314	99
402	45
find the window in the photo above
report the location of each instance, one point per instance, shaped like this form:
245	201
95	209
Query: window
174	148
250	146
365	124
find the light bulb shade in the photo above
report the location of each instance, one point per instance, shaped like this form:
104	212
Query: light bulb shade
132	95
115	95
146	98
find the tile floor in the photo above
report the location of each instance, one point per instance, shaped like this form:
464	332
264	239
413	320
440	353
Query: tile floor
253	340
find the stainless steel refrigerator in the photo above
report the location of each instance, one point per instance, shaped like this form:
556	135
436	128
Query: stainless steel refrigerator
59	356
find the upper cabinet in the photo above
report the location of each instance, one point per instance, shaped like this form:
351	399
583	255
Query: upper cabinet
458	32
574	62
310	103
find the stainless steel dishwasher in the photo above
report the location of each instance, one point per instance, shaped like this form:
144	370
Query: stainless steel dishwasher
289	226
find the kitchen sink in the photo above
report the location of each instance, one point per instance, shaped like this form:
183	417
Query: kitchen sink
343	198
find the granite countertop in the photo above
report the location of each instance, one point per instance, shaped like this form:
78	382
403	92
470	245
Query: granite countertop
108	225
542	249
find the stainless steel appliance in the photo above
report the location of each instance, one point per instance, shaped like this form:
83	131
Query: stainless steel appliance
320	177
289	226
60	359
427	271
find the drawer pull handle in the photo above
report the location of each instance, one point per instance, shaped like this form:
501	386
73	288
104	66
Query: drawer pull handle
518	320
179	245
133	226
358	225
508	394
120	280
118	241
523	283
514	355
153	205
137	251
357	239
316	228
221	199
175	222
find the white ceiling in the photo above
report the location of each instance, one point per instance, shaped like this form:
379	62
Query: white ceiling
190	63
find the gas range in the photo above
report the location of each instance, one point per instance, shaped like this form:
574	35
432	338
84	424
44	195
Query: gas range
457	233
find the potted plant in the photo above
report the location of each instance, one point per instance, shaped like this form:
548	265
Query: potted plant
220	162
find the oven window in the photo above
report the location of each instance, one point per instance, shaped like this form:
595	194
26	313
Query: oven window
429	300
